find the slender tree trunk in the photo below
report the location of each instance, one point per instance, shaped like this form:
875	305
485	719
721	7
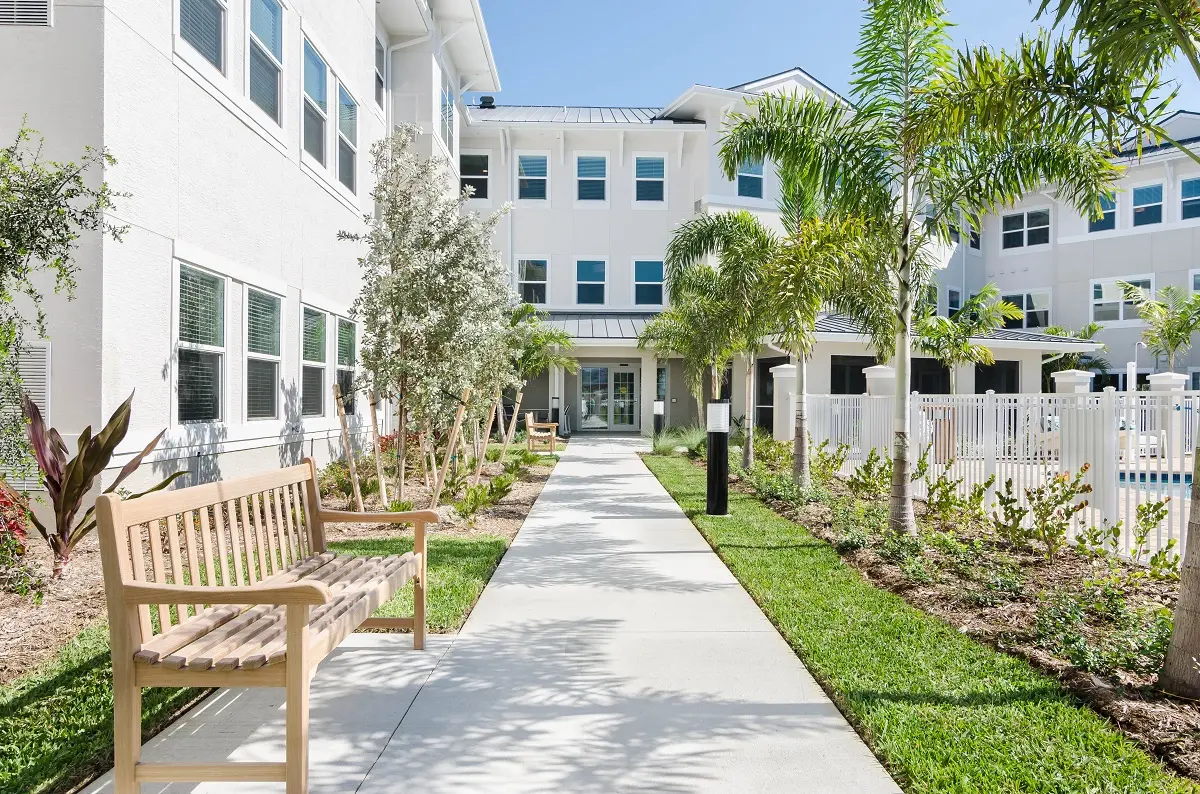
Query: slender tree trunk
748	424
401	447
512	425
451	447
801	469
486	435
378	453
1181	669
421	444
900	512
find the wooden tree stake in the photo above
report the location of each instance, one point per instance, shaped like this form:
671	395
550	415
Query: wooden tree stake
486	435
512	426
378	453
337	398
450	448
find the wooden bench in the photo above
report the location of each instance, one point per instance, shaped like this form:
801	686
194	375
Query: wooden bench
231	584
536	433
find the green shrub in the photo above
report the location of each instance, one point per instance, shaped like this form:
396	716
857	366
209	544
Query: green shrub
665	442
775	455
873	479
500	486
401	506
492	455
826	463
1053	505
528	457
456	480
475	498
853	538
514	467
695	438
899	547
16	575
1123	638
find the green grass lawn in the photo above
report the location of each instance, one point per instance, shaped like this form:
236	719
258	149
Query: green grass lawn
943	712
56	722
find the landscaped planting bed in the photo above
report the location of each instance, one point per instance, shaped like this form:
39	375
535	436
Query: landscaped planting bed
952	654
55	679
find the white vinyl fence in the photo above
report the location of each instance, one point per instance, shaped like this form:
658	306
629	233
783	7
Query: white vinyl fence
1139	446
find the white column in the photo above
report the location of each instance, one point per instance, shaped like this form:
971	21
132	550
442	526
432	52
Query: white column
881	380
649	389
784	407
1029	376
964	379
1071	381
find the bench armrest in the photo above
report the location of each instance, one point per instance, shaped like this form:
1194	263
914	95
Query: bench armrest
410	517
291	593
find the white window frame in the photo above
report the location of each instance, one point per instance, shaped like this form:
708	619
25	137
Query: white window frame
953	293
762	178
1123	322
1117	212
248	354
1025	247
223	392
251	41
516	171
1192	279
584	204
330	102
1192	373
1024	291
184	49
338	368
607	276
338	137
326	392
475	201
519	280
1162	204
634	281
975	235
379	83
445	127
1179	204
651	205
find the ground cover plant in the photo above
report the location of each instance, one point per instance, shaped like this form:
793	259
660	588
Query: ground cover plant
944	712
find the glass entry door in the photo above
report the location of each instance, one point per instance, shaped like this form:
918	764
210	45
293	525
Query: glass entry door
608	398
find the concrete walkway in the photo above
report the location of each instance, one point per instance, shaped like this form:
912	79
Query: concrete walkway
612	651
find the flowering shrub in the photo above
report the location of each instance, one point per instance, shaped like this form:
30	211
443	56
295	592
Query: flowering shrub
16	576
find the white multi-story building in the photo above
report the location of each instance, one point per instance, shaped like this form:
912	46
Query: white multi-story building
241	129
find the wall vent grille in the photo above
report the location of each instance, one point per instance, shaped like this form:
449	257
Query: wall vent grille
26	12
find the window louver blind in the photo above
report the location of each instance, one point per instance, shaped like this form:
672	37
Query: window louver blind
262	323
266	22
346	352
199	386
312	391
202	26
33	367
592	167
261	388
264	82
314	336
26	12
201	308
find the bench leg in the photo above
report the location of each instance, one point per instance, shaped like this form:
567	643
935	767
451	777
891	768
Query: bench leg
419	597
127	730
297	678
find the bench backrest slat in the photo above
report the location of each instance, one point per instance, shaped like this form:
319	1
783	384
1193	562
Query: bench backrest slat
233	532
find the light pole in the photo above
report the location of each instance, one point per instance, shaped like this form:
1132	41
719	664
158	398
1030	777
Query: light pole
718	458
1131	369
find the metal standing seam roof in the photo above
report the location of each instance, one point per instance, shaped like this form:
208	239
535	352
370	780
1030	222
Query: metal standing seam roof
628	325
561	114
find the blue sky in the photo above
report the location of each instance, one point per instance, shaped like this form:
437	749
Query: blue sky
646	52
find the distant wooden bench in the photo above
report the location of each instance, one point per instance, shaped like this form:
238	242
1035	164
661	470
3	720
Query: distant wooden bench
231	584
542	433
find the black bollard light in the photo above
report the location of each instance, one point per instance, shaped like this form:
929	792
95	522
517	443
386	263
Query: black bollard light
718	458
660	407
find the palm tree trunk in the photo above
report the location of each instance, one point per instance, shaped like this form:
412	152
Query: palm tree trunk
900	510
1181	672
801	470
748	424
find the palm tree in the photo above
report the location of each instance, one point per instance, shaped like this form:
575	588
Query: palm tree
906	173
743	248
698	329
1170	320
951	339
1057	362
535	348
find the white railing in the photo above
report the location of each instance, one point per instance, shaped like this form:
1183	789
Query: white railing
1139	447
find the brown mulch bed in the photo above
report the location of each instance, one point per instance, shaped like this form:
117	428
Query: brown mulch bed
30	633
1166	726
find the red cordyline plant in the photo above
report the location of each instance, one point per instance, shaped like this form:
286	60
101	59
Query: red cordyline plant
69	480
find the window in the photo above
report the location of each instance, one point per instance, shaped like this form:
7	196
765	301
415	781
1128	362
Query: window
1036	306
1108	300
262	355
953	301
648	283
929	300
531	280
27	12
1025	229
1147	205
1190	203
380	67
266	55
202	25
650	179
533	176
1194	375
447	112
474	171
347	137
589	278
750	180
1107	221
316	79
975	241
592	175
346	358
312	353
201	344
